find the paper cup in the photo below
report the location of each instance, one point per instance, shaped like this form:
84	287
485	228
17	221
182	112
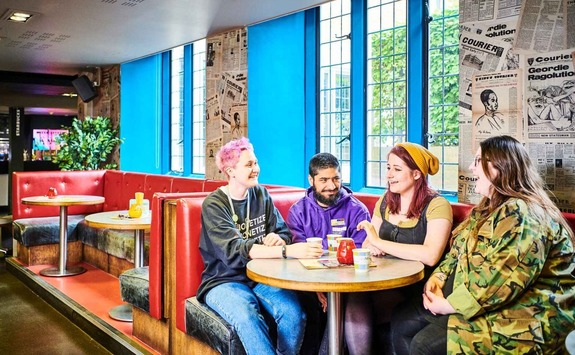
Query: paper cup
361	259
333	242
315	240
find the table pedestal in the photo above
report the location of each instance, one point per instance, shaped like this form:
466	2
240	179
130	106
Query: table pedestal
334	322
124	312
69	271
61	270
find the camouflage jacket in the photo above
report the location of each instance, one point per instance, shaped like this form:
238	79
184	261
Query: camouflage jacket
515	293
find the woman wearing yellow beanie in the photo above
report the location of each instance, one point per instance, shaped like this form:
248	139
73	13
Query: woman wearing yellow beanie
410	221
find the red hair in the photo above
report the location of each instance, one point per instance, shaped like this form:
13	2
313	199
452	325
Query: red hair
422	192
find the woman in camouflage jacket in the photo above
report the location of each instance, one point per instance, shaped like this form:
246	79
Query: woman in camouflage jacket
507	283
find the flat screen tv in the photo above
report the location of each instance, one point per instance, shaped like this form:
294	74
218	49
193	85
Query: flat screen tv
45	139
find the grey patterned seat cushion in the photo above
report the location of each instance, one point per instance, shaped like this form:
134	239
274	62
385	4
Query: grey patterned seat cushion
206	325
135	287
119	243
44	230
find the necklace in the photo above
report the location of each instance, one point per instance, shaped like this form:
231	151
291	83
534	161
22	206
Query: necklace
234	215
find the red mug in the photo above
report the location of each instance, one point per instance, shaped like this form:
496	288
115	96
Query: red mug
345	251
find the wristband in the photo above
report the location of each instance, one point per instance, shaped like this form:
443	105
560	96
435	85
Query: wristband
284	252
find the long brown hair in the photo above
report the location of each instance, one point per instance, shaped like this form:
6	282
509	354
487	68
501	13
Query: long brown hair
422	195
517	178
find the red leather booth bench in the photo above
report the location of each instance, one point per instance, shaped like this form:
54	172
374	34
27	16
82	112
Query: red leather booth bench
152	293
117	187
143	287
207	329
197	327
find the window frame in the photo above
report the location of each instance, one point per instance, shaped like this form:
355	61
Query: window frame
418	19
188	119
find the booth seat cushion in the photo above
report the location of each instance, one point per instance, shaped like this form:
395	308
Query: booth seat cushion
44	230
135	287
206	325
119	243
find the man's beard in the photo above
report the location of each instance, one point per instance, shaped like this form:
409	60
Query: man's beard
329	201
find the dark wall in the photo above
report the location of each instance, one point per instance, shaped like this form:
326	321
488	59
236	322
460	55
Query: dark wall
21	127
32	122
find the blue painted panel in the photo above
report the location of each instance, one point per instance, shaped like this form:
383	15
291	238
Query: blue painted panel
311	87
417	72
358	176
140	115
276	105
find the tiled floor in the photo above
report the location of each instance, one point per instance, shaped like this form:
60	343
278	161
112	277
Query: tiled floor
96	291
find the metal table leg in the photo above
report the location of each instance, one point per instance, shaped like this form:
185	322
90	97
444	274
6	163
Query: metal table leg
62	270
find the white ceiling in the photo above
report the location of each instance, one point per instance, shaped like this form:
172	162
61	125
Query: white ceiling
66	37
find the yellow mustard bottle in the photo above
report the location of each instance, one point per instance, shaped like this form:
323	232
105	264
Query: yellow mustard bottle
135	210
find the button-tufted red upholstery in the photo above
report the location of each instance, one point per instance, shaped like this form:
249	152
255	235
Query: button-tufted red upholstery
192	317
198	320
117	187
26	184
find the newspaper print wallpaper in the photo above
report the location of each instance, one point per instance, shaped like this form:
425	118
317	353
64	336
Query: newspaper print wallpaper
226	93
517	77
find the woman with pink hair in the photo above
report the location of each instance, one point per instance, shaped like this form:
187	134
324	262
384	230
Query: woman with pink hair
240	223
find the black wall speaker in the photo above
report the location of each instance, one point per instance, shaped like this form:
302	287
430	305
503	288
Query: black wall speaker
84	88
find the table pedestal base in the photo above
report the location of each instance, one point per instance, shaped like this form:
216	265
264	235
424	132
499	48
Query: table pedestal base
122	313
56	272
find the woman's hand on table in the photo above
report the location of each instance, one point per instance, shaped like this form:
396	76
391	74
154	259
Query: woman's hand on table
373	250
273	239
369	230
304	250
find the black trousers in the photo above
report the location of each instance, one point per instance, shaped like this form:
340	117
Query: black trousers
415	330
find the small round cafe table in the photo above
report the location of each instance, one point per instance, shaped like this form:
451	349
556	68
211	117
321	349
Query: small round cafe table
120	220
63	201
385	273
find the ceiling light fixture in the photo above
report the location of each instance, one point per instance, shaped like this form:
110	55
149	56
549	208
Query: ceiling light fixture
18	16
70	94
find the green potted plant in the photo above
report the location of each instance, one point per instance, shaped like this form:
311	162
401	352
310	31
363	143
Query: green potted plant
87	145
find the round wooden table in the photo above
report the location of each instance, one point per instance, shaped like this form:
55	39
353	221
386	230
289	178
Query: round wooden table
388	272
63	201
120	220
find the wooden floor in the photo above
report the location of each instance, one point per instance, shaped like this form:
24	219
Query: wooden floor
85	299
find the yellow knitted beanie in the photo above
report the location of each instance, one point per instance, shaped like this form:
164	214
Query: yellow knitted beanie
425	160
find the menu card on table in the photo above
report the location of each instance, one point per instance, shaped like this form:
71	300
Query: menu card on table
325	263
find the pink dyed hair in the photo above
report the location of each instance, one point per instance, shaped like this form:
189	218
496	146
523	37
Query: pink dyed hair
229	155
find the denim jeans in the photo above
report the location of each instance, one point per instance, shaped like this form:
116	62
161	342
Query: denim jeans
242	307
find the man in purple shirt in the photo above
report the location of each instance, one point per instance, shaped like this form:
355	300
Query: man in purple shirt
328	207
